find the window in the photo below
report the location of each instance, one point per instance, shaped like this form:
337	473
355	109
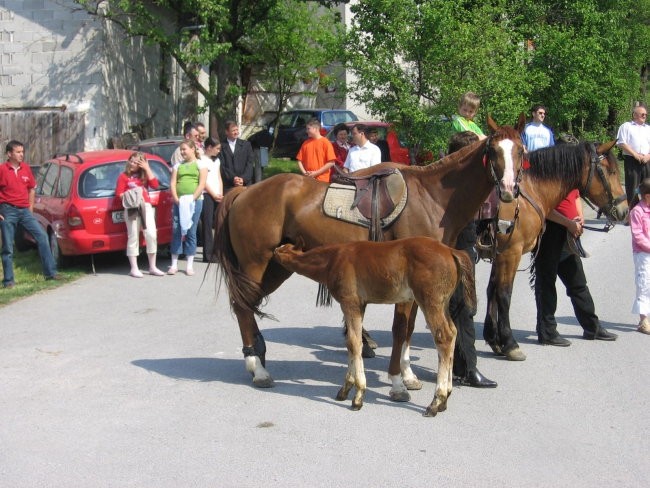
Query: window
65	182
48	176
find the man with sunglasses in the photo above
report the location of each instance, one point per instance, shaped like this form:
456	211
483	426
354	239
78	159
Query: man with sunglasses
536	135
634	140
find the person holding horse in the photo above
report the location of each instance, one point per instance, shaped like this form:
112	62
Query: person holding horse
536	135
316	156
464	366
633	138
364	153
640	227
554	259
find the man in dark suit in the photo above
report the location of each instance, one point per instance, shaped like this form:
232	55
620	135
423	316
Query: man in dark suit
236	159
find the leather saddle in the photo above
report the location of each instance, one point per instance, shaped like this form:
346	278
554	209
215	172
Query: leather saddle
376	194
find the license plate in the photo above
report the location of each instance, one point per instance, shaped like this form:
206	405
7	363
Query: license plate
118	216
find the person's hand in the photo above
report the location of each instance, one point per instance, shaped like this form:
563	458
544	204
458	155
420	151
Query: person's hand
218	198
238	181
575	227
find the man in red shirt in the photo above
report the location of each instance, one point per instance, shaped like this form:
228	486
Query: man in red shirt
553	260
16	204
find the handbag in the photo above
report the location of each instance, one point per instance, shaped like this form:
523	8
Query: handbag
132	198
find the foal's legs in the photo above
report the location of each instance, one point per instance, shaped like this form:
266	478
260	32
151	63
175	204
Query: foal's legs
399	369
443	331
355	375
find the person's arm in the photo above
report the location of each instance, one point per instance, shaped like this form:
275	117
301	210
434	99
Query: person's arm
247	176
120	186
324	169
227	167
32	198
640	236
172	185
302	169
573	226
641	158
203	176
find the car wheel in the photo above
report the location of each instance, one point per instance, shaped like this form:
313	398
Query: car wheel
59	259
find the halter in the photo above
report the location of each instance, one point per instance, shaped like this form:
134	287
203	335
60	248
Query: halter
495	180
595	166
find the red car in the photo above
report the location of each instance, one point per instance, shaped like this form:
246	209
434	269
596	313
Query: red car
77	206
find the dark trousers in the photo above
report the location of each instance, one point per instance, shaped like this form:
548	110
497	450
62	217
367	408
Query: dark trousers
550	263
464	350
207	222
634	173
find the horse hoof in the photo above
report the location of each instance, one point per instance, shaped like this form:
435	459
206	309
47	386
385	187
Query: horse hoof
515	354
356	406
341	395
367	352
430	412
496	348
413	384
400	396
263	383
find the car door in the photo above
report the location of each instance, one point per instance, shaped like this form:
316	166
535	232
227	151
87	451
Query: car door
47	208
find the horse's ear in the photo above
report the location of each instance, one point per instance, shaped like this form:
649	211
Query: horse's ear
521	123
606	147
492	124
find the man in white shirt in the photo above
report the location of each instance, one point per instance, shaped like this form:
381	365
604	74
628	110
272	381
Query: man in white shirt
536	135
634	139
364	154
190	133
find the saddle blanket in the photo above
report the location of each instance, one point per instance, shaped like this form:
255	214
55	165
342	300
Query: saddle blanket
338	202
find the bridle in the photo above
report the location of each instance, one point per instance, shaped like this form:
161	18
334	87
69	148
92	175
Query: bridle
489	163
595	166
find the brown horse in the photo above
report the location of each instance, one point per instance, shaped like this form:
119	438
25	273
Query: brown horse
553	173
358	273
442	198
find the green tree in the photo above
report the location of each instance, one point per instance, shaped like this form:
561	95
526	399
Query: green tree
288	49
413	59
196	33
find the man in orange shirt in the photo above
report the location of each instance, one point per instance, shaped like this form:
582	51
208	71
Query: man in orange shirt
316	155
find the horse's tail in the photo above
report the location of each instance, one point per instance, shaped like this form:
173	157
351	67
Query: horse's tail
465	268
244	292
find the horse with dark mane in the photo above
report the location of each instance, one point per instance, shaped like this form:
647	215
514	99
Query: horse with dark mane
442	198
416	268
553	173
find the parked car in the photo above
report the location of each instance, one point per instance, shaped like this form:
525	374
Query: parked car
399	152
292	132
159	146
77	207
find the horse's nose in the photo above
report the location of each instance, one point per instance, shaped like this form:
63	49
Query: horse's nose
507	191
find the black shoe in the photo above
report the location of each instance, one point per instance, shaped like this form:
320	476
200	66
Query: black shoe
600	335
9	285
56	277
554	341
476	380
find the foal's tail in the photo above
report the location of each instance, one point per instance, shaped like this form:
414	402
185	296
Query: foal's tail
244	292
465	268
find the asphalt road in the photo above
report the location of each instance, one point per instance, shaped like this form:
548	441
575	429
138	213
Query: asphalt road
112	381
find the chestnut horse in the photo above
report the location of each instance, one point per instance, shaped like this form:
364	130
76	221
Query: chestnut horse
553	173
442	198
416	268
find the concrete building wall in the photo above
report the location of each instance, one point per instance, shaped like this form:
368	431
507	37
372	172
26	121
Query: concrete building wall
53	55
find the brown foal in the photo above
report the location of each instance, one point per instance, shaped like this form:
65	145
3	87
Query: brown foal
358	273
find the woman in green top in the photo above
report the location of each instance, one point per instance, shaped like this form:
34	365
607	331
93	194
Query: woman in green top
187	184
467	109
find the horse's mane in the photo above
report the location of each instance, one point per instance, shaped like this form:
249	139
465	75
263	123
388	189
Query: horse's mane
562	163
448	161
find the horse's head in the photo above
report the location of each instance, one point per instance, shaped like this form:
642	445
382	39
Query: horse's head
286	252
602	182
504	157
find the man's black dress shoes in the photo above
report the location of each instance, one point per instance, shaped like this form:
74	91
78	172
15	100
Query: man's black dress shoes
554	341
476	380
600	335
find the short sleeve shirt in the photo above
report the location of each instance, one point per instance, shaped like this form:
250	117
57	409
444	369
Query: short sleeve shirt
314	154
637	136
15	184
360	157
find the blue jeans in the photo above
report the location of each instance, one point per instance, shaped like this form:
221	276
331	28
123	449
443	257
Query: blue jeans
189	244
12	217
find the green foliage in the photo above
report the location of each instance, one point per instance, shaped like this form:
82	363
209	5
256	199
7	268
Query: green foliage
413	59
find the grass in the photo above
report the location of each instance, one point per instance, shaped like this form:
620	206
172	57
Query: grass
29	277
281	165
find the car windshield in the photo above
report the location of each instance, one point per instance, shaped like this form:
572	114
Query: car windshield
100	181
163	151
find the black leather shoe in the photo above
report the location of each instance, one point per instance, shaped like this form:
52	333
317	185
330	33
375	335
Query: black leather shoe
554	341
600	335
476	380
